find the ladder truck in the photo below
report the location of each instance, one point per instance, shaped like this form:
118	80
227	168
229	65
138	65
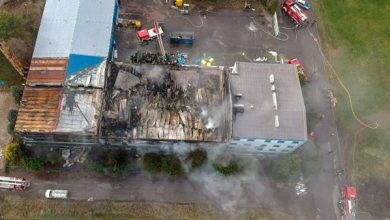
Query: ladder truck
13	183
349	203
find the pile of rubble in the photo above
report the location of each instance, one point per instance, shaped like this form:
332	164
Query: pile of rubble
153	58
152	102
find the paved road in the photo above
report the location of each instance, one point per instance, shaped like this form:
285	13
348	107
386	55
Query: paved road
225	35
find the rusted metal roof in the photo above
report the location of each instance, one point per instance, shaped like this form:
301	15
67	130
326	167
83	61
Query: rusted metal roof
47	71
39	110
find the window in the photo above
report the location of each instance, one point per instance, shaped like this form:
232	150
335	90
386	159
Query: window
247	144
259	148
263	145
233	143
289	146
272	150
267	141
276	145
251	140
236	139
295	142
280	142
285	150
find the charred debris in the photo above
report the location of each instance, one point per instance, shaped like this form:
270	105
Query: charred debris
165	102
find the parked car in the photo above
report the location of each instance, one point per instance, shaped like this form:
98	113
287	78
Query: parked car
303	4
56	194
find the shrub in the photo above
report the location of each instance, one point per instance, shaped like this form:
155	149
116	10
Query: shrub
197	158
171	165
228	170
152	163
17	93
10	25
13	153
109	162
286	167
35	164
12	115
270	5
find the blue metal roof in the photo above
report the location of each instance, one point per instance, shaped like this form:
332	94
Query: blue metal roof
82	27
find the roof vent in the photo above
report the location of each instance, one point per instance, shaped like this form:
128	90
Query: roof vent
238	95
276	121
238	108
272	78
274	100
273	89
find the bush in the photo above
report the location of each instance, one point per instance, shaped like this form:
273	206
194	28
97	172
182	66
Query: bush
109	162
286	167
13	153
10	25
231	169
197	158
152	163
270	5
171	165
155	163
12	116
35	164
17	93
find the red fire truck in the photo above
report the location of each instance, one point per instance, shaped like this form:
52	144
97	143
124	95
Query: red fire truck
294	12
350	203
13	183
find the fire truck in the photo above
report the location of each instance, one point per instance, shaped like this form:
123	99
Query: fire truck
13	183
350	203
294	12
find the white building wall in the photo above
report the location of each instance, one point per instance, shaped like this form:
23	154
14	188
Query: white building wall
263	146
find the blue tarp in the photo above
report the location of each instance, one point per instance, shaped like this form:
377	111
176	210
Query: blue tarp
81	62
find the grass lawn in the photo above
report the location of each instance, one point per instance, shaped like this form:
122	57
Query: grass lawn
356	38
8	73
14	207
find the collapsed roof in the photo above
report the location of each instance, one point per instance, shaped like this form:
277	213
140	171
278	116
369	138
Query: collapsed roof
151	102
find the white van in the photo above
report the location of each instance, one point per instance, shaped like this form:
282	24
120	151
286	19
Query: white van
56	194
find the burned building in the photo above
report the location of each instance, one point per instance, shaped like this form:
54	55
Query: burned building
62	100
164	103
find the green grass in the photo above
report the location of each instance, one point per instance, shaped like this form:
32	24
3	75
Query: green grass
356	33
8	73
356	38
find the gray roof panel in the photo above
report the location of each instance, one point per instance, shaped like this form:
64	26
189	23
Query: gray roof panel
258	119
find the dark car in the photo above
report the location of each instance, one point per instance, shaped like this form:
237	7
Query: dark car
303	4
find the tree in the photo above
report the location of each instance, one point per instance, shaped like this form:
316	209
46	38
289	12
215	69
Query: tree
17	93
10	25
152	163
286	167
109	162
197	158
171	165
13	153
12	115
227	170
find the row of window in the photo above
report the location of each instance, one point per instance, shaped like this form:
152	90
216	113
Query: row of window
267	140
262	145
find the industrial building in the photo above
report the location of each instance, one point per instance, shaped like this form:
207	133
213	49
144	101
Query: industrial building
64	87
76	94
269	114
